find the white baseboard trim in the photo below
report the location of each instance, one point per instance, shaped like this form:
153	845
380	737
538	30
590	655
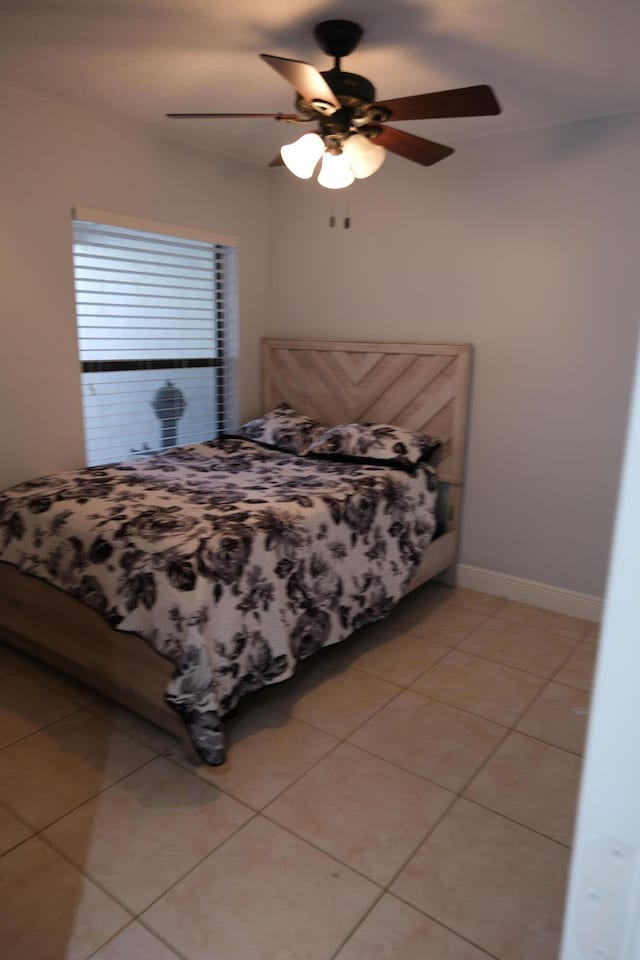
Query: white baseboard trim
544	595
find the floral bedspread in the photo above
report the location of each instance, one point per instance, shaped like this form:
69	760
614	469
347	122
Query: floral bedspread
233	561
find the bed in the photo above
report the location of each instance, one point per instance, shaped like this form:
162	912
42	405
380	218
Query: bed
287	579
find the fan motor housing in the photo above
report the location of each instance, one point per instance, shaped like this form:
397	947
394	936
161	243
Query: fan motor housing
350	88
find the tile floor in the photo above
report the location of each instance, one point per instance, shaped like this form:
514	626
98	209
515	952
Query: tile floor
410	794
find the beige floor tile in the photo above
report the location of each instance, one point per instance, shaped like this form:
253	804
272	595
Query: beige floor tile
533	783
570	627
48	774
51	911
263	894
26	706
362	810
485	603
266	752
429	738
447	624
491	880
395	931
12	832
519	646
489	689
397	657
330	696
135	943
579	668
66	686
559	716
134	726
593	634
145	832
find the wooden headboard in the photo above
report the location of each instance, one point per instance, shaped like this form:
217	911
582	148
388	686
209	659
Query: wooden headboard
420	386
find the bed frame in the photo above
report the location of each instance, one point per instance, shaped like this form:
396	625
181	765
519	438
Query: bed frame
423	387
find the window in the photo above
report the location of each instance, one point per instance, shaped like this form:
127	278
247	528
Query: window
156	317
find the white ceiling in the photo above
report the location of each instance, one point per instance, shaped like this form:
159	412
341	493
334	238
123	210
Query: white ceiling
548	61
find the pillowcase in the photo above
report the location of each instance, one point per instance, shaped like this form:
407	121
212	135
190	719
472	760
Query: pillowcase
376	443
282	428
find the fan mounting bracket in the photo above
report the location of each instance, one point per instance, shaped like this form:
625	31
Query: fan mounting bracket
338	38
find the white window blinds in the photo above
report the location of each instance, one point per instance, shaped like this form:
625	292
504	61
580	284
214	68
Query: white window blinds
156	317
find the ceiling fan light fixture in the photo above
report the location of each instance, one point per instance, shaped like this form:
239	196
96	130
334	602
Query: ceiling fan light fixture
364	156
301	156
335	172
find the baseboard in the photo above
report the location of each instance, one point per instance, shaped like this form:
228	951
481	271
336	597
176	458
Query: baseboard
544	595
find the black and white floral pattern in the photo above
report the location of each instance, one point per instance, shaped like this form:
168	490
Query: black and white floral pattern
282	428
233	561
379	442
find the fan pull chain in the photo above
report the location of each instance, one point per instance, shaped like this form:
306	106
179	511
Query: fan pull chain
332	211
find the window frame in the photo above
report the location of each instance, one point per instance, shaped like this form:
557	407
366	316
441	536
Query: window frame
224	335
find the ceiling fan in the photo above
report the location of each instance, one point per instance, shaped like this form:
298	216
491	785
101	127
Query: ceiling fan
352	135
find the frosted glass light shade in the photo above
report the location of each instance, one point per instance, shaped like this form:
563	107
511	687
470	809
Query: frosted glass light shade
301	156
335	171
364	156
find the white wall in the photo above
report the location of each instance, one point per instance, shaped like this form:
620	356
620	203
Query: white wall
525	245
52	158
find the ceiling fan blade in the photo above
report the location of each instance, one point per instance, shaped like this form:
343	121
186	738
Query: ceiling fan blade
413	148
277	162
477	101
228	116
304	78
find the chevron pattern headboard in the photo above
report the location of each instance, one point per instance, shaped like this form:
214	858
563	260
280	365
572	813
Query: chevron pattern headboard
421	386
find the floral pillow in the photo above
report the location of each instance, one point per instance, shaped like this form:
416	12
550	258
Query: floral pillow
375	442
284	429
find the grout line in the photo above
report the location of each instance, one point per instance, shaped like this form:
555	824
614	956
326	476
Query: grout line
37	831
438	821
478	656
555	633
465	710
375	713
21	819
485	616
394	696
250	806
47	726
407	686
177	953
114	896
139	916
484	762
510	730
440	923
325	853
501	663
358	924
547	743
571	686
394	763
518	823
111	938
